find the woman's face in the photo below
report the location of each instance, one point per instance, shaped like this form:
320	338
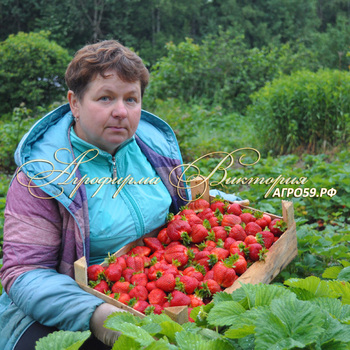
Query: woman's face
109	111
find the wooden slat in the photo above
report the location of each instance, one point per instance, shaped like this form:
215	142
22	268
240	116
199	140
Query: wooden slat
200	187
178	314
110	300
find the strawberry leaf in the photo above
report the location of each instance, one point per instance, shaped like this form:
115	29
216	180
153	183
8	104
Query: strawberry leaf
125	342
315	286
161	344
62	340
137	333
152	328
170	329
224	313
289	323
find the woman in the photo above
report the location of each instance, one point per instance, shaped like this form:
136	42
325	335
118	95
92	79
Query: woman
81	189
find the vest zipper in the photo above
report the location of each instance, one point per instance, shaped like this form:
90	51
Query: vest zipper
131	201
114	168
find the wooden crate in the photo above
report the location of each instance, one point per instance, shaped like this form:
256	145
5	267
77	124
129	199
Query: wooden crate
279	255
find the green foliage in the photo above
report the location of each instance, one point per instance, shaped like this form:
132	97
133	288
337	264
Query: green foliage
62	340
200	129
32	70
143	334
12	129
223	69
305	111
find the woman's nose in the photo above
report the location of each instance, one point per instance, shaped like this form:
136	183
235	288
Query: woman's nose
119	110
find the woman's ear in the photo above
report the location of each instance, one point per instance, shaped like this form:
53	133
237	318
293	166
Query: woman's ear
73	103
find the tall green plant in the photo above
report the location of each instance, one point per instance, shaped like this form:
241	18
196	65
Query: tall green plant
305	111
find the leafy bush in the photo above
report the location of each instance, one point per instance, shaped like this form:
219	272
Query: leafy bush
31	70
222	69
305	111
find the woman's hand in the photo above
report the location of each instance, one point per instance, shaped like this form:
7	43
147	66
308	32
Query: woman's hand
103	334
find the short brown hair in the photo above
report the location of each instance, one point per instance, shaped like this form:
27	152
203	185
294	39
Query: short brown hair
98	58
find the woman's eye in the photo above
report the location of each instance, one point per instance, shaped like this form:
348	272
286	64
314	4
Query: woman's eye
131	99
104	98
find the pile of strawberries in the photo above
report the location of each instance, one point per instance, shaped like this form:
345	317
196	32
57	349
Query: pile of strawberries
202	251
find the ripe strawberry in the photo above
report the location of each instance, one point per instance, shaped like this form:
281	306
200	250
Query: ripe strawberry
178	298
121	287
228	242
195	300
193	220
252	228
235	209
177	254
262	220
121	262
202	258
154	309
172	217
158	255
237	232
186	284
209	275
176	228
219	233
153	243
128	273
184	211
135	262
100	286
268	238
199	205
256	252
250	240
277	227
199	233
211	285
113	272
139	305
214	221
139	292
208	245
240	265
151	285
157	296
121	297
224	274
220	253
146	261
140	251
166	282
247	217
163	236
230	220
206	214
139	279
218	203
197	272
94	272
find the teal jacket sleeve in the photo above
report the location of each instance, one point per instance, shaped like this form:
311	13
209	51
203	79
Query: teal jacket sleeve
54	299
